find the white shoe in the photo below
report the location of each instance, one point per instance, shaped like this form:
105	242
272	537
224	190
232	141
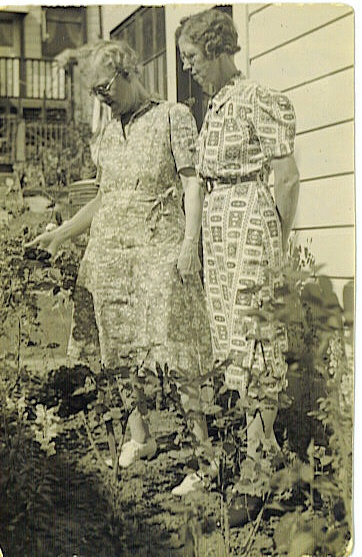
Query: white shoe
133	450
189	484
109	462
194	481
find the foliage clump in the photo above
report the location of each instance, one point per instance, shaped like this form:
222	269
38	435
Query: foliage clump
306	490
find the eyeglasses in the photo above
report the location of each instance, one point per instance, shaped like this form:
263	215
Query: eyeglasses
188	58
103	90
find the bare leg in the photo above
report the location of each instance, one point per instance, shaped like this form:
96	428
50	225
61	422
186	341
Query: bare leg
200	428
268	417
260	431
138	426
254	432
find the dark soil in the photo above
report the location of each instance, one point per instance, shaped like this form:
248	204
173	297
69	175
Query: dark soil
83	511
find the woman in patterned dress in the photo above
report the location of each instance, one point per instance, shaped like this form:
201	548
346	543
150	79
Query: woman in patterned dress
248	132
141	263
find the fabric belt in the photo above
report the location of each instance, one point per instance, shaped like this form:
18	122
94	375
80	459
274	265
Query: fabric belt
211	183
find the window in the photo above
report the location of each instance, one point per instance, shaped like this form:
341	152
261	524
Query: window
56	115
62	28
145	32
32	114
11	29
6	32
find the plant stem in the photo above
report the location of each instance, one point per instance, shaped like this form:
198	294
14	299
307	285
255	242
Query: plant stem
111	440
225	525
118	452
19	347
251	539
5	424
91	440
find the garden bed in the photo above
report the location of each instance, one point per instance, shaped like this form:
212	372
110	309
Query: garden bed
69	503
60	498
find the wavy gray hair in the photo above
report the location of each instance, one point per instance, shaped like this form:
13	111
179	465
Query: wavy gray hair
117	55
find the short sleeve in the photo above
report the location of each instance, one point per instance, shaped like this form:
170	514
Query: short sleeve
183	133
274	121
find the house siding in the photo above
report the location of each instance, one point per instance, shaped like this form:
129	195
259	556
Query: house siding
307	51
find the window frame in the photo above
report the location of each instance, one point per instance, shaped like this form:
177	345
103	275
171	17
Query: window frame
71	14
135	21
8	20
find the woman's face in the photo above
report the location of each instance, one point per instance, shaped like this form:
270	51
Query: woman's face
194	60
113	89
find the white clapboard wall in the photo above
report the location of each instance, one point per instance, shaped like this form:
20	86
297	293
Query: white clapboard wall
307	51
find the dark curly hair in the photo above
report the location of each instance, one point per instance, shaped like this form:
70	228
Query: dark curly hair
212	30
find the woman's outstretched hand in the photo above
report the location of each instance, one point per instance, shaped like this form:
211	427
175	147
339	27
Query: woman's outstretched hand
47	241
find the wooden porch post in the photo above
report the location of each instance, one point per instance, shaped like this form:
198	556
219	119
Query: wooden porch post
22	77
20	141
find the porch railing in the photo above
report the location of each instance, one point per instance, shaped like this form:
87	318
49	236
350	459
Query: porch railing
32	79
8	135
45	136
31	141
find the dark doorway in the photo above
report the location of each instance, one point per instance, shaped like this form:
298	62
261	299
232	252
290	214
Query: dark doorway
188	91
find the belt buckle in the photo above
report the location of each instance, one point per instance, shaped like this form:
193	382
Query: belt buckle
209	185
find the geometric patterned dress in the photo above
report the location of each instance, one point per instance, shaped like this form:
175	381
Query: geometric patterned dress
246	125
144	313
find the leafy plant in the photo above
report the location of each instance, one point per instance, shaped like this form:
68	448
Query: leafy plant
316	493
24	502
46	428
307	496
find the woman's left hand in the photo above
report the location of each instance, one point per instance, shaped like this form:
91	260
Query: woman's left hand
286	190
285	240
188	261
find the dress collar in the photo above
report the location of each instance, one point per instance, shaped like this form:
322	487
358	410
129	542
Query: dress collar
144	107
226	91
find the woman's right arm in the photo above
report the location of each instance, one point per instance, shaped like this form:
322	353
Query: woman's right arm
51	241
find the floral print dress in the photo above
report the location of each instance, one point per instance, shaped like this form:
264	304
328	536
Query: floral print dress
246	125
143	311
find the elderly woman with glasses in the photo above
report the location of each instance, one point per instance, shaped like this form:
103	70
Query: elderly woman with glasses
141	263
248	133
